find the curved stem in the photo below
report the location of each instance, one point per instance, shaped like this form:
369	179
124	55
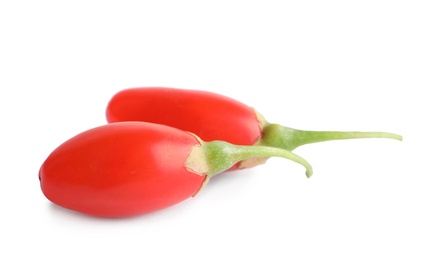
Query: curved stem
212	158
289	138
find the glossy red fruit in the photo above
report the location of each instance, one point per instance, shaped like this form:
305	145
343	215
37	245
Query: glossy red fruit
121	170
216	117
130	168
208	115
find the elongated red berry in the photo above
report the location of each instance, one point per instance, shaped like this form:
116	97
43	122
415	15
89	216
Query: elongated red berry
130	168
216	117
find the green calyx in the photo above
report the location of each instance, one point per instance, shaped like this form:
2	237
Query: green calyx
287	138
212	158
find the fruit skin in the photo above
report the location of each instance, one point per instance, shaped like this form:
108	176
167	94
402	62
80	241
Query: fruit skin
209	115
121	169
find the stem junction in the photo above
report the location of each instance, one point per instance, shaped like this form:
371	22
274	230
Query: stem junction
276	135
212	158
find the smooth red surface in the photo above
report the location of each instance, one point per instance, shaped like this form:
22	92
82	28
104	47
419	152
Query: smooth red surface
209	115
121	169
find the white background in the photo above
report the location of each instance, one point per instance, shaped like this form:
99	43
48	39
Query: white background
316	65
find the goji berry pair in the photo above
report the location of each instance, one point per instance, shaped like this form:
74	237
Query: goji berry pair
161	146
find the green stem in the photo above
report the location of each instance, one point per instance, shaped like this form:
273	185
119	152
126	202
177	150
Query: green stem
289	138
212	158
